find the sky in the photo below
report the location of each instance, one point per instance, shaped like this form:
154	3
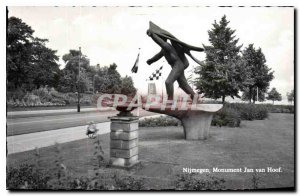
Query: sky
114	35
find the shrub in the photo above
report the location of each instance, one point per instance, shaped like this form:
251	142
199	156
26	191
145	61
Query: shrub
86	99
256	181
280	108
38	97
128	183
43	94
195	182
94	98
250	111
26	177
161	121
14	95
61	178
56	94
31	100
227	117
98	159
70	98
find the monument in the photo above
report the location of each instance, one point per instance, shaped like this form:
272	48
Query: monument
196	118
174	53
196	121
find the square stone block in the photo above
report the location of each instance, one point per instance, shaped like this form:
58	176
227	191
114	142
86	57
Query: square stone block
124	126
122	162
121	153
197	126
123	144
120	135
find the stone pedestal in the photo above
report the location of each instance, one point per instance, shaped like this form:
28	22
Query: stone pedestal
195	121
196	125
124	141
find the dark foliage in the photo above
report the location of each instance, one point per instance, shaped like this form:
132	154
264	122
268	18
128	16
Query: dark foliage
227	117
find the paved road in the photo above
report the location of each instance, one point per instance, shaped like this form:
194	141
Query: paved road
19	126
49	112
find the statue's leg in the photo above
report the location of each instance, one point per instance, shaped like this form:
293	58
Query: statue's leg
184	85
173	76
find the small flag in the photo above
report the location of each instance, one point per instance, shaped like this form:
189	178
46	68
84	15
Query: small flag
135	66
155	75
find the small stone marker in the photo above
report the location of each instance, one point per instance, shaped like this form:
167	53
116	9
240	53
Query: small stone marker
124	141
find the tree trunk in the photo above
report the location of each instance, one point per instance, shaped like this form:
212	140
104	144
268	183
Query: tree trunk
273	102
223	99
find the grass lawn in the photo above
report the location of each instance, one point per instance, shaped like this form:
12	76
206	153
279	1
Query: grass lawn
163	153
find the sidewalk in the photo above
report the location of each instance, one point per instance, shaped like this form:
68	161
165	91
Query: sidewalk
25	142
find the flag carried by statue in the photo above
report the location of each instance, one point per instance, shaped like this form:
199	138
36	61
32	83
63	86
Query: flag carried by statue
155	75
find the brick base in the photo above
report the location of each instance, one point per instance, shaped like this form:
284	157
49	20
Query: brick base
123	142
122	162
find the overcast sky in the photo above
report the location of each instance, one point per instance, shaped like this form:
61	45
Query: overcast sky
114	34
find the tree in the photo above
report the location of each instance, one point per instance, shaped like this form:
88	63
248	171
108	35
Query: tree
30	63
18	46
222	74
114	85
261	95
274	95
102	80
67	82
45	70
109	80
127	87
290	96
72	60
73	79
258	72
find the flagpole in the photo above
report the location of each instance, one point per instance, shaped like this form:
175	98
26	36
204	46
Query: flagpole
138	108
134	69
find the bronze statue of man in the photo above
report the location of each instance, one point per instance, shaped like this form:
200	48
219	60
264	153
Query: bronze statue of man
174	53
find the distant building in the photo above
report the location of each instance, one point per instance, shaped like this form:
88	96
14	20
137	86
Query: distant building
151	89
